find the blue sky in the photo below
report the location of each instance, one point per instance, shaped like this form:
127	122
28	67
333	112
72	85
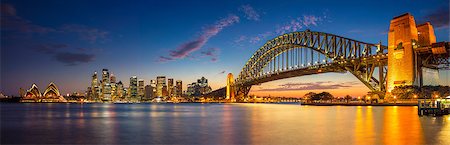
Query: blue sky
66	41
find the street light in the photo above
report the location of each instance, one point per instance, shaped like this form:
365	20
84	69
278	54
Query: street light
395	97
415	96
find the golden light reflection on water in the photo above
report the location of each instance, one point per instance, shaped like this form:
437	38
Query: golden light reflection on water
401	125
364	126
444	134
231	124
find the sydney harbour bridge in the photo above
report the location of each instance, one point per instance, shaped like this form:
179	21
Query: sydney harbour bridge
410	48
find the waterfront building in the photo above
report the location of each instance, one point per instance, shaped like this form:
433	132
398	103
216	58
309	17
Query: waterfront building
95	88
106	86
170	87
133	89
153	85
160	86
148	95
120	92
141	89
198	88
51	94
178	88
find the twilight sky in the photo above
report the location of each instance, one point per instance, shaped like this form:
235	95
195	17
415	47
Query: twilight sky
65	41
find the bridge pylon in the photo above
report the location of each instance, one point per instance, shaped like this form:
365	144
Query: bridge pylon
403	38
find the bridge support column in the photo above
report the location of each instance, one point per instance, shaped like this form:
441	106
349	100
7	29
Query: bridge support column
401	38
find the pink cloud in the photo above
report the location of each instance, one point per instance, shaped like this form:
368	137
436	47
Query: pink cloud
249	12
299	23
211	52
191	46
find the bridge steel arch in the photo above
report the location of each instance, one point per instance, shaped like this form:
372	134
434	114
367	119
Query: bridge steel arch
342	54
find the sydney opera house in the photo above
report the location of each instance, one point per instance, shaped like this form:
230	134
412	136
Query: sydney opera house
51	94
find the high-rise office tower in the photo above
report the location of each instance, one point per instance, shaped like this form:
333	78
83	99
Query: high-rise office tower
153	85
112	78
178	88
170	87
141	89
95	90
161	86
148	95
106	86
133	89
120	91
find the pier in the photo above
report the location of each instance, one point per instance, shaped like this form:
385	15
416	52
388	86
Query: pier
435	107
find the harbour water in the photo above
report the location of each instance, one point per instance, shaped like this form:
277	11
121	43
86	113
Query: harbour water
218	124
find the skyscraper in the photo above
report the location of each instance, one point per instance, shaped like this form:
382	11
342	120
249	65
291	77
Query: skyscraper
113	87
153	85
106	86
178	88
95	90
141	89
170	87
120	91
133	89
161	86
148	95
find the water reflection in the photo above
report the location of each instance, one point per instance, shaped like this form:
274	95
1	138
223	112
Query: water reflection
218	124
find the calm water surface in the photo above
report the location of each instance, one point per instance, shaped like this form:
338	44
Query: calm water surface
218	124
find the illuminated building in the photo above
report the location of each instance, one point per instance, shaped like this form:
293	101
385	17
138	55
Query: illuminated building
133	89
153	85
403	37
198	88
165	93
120	91
51	94
160	85
148	95
170	87
95	88
230	87
113	84
32	95
141	89
106	86
178	88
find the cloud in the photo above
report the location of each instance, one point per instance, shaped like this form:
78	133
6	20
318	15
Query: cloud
240	39
311	86
439	18
188	47
293	25
50	48
13	23
249	12
7	9
299	23
71	59
260	37
165	59
211	52
86	33
62	53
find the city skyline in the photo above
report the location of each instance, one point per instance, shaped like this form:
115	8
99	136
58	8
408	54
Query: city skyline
151	42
